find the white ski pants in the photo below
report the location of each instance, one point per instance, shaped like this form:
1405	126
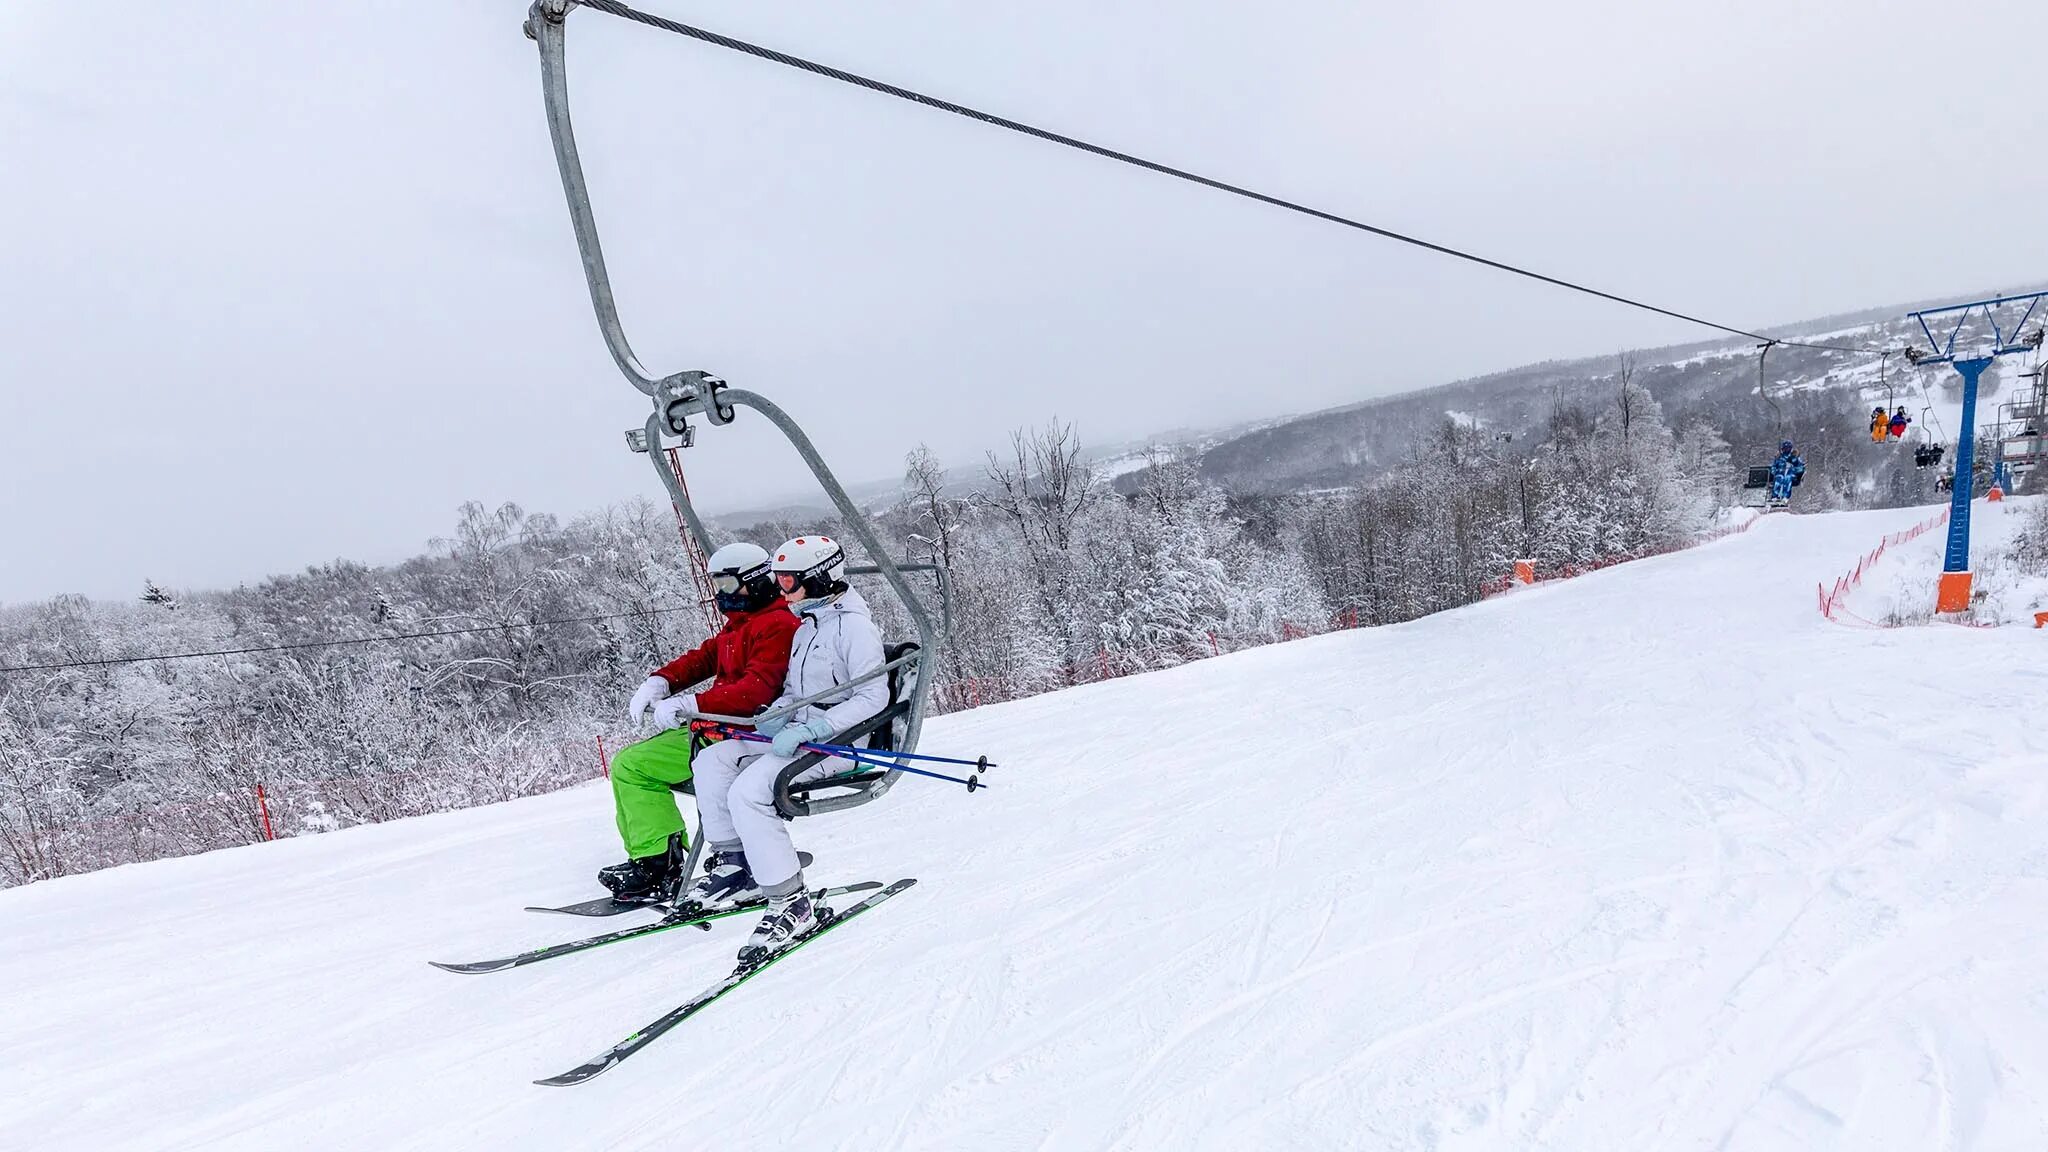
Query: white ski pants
736	803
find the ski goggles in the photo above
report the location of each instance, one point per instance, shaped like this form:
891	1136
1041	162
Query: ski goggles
788	581
730	581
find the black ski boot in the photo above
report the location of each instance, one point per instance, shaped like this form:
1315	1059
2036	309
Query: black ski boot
640	878
649	879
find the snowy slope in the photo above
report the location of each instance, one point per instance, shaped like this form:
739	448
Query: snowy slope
1901	587
1652	859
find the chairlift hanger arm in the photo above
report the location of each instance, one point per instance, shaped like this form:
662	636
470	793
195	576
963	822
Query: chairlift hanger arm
544	25
699	393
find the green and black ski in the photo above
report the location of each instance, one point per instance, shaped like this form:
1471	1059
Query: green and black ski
673	920
645	1036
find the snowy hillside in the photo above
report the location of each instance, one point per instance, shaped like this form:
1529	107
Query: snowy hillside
1818	396
1656	858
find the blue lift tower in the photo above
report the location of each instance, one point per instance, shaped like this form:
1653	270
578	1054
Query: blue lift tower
1996	333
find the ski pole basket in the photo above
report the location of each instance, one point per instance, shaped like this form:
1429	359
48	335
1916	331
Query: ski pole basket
677	398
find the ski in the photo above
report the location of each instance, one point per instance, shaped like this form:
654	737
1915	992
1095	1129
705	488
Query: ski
613	906
602	906
589	1069
673	920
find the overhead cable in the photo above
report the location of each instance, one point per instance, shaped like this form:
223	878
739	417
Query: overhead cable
628	12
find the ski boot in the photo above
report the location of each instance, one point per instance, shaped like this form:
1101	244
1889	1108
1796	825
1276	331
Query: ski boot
726	883
638	880
788	920
647	879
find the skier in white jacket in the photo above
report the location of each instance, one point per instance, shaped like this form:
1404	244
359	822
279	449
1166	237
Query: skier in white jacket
836	642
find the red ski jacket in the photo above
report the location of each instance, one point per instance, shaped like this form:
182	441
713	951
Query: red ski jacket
746	661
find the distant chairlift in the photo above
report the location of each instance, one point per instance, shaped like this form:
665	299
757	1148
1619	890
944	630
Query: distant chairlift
2022	445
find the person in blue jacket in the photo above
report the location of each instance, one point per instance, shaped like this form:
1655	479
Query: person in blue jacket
1785	472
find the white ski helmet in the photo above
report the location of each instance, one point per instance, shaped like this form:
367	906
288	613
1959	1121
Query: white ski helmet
740	577
817	564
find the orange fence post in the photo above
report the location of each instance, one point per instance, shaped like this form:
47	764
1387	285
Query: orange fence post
604	762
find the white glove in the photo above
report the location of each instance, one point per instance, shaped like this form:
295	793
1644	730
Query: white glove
671	713
656	688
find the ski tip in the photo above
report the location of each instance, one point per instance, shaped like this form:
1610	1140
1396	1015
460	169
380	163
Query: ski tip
578	1074
467	969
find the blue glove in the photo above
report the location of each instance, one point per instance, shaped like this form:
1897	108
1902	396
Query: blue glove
786	741
771	726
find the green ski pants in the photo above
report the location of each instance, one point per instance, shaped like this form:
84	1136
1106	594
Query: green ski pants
641	778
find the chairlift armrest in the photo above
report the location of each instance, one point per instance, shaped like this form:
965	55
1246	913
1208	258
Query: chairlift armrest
845	781
883	669
787	800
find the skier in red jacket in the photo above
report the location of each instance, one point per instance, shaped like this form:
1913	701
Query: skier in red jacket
746	662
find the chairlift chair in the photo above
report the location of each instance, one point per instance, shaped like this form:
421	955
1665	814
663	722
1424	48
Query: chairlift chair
1759	482
677	398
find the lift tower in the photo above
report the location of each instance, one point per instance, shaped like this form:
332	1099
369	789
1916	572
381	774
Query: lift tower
1998	327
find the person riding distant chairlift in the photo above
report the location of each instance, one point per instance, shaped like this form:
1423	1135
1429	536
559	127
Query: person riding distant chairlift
1879	422
1899	422
1786	472
835	644
746	662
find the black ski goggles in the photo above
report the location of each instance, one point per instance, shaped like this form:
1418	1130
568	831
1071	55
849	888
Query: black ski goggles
729	581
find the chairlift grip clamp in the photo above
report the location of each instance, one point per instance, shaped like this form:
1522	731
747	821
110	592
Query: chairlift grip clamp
680	395
552	11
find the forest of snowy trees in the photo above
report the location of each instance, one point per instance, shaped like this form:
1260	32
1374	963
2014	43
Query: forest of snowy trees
539	628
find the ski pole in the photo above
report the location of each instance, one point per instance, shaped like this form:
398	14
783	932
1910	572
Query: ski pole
980	763
871	758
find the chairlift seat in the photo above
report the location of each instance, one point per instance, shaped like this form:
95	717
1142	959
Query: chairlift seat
1759	476
794	799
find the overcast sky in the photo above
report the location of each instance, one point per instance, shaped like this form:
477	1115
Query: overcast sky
285	281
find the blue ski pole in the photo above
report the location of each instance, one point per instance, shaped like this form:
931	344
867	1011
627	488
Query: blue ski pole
979	764
867	757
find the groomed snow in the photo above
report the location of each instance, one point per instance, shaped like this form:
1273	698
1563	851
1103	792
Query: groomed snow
1654	859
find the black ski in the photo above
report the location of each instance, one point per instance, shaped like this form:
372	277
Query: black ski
641	1039
673	920
613	906
602	906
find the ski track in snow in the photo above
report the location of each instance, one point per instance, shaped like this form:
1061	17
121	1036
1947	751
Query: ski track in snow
1654	859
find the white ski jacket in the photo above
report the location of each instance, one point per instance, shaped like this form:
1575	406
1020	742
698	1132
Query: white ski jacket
836	641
